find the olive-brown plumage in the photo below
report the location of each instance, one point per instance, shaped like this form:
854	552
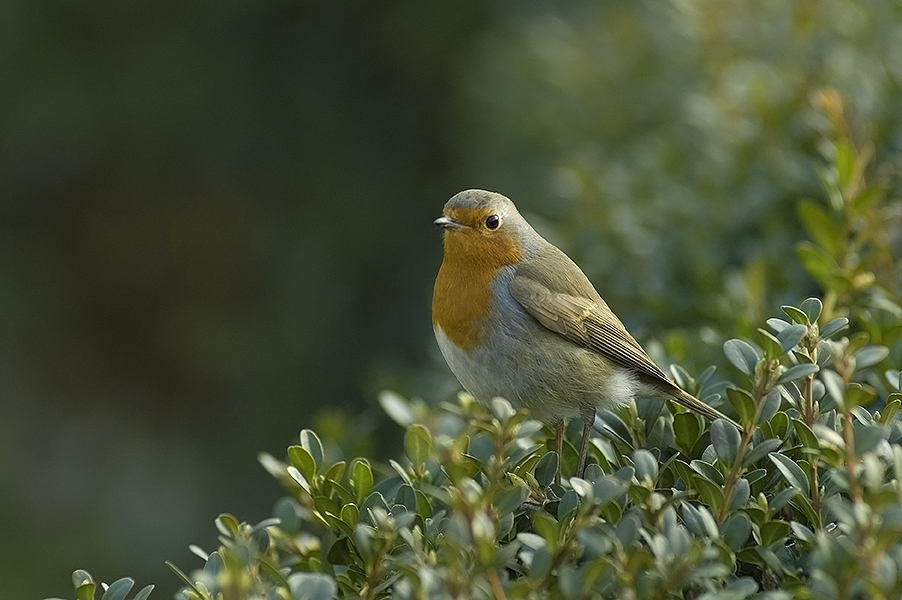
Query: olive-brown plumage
516	318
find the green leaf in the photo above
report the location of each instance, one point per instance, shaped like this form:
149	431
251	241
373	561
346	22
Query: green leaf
711	493
546	468
303	461
707	470
325	505
844	164
181	575
893	404
699	520
801	532
310	442
397	408
608	488
597	541
819	264
627	530
400	470
777	425
340	553
546	527
228	525
646	465
867	438
312	586
836	387
791	336
350	514
680	376
795	314
424	508
742	355
870	355
661	433
687	430
770	344
362	479
81	577
894	377
336	472
740	495
860	394
758	451
828	435
144	593
581	487
742	402
725	439
508	500
540	565
531	540
812	308
833	327
805	436
735	531
773	532
820	226
593	473
792	472
755	475
84	585
418	444
861	202
796	372
570	582
407	497
501	409
119	589
298	478
614	427
569	501
770	405
777	325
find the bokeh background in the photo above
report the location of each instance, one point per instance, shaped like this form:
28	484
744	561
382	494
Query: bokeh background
215	221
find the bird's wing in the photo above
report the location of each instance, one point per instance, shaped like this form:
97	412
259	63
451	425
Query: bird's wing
586	322
580	315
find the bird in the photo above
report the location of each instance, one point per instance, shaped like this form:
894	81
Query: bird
516	318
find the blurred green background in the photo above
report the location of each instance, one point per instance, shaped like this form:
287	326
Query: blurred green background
215	221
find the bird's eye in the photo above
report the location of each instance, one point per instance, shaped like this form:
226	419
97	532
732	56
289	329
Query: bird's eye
493	222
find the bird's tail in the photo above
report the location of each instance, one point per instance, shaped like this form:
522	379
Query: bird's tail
695	405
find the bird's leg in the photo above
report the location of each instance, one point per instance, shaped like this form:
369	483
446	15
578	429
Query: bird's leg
588	415
559	447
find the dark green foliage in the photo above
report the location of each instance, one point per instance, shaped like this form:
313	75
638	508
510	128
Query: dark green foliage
670	507
86	588
804	502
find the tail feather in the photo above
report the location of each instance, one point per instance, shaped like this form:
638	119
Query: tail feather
695	405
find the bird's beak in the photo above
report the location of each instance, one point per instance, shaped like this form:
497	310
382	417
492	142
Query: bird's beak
446	222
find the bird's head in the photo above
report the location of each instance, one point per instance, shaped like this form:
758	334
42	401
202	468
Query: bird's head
484	229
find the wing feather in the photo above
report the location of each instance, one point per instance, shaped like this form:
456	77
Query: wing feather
559	296
585	322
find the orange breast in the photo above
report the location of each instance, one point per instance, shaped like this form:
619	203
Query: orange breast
462	298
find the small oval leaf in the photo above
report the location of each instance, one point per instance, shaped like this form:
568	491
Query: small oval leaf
546	468
311	443
119	589
418	444
725	439
792	472
302	460
742	355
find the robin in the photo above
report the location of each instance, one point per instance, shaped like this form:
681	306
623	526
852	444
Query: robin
516	318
